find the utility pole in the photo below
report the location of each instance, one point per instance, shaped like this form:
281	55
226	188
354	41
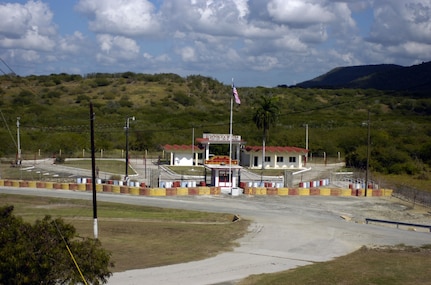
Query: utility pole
368	152
93	172
18	141
126	178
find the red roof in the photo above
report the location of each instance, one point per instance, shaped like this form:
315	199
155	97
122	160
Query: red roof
183	147
276	149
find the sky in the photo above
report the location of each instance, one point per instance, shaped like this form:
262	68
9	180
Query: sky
256	42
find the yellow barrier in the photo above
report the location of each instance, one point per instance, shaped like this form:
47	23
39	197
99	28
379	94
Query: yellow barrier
303	191
49	185
204	190
182	191
260	191
99	188
82	187
116	189
65	186
157	192
346	192
387	192
1	182
283	191
134	191
32	184
15	183
325	192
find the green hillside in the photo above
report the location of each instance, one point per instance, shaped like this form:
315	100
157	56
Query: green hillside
54	115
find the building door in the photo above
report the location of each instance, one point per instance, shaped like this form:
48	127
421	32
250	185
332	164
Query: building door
256	161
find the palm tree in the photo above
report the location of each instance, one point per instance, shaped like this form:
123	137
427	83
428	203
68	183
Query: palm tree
265	115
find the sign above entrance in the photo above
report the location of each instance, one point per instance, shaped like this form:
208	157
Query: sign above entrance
221	137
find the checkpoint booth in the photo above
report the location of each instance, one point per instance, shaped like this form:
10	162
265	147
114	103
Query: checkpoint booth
224	173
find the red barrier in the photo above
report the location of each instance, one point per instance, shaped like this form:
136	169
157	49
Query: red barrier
314	191
171	191
293	191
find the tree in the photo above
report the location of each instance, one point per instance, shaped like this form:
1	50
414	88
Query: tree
40	253
265	115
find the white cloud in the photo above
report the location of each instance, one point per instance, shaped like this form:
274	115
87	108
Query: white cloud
118	47
302	12
27	26
121	17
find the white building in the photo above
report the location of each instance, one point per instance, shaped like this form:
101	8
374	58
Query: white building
275	157
185	155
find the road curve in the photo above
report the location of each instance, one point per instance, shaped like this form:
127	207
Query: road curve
286	232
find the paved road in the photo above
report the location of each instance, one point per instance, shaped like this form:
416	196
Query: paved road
286	232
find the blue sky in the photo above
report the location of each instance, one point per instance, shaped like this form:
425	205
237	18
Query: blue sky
257	42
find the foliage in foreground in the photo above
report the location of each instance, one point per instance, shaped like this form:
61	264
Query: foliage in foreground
39	253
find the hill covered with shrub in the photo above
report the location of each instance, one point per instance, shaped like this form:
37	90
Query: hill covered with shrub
54	115
415	78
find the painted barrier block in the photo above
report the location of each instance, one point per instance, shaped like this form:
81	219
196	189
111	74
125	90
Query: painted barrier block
304	191
193	191
73	186
325	192
377	193
1	182
57	185
65	186
99	188
32	184
107	188
15	183
271	191
250	191
387	192
171	191
345	192
293	191
335	192
260	190
82	187
124	189
23	183
116	189
314	191
215	190
157	191
134	191
283	191
40	184
204	190
182	191
144	191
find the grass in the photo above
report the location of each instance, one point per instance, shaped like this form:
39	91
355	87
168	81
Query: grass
141	237
399	265
111	166
138	236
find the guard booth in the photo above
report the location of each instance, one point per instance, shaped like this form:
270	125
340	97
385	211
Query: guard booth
220	167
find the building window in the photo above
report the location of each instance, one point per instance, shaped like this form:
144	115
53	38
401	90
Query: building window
280	158
292	159
267	159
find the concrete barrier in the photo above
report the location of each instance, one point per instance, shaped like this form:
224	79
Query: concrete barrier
116	187
203	190
283	191
134	191
182	191
304	191
158	191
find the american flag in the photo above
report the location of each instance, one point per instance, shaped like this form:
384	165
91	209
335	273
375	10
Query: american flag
235	94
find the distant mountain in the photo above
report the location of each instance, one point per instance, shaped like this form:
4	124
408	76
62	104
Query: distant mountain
381	76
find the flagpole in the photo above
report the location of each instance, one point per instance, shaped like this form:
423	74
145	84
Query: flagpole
230	144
